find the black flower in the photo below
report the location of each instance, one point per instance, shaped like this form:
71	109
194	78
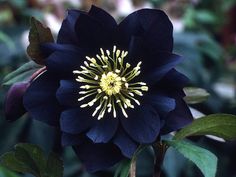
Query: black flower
110	87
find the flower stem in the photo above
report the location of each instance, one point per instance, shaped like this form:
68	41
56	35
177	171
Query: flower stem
132	171
160	150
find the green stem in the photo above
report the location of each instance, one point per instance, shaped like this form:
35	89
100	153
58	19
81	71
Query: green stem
160	150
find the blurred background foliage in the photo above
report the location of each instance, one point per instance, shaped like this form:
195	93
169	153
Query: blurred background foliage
204	33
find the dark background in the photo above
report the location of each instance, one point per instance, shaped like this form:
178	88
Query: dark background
204	33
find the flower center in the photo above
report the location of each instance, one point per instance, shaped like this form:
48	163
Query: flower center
111	83
107	83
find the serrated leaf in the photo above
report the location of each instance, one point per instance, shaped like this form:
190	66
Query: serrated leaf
21	74
32	156
202	158
195	95
9	161
38	34
220	125
54	166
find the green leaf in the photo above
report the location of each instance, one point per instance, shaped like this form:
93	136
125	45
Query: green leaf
54	166
6	173
221	125
38	34
22	73
205	16
204	159
195	95
9	161
32	156
123	168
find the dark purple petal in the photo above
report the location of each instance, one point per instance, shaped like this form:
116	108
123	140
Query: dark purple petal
14	107
67	34
92	34
152	25
68	93
96	156
103	130
71	139
161	103
63	63
125	143
76	120
49	48
40	99
143	123
178	118
173	80
154	71
103	17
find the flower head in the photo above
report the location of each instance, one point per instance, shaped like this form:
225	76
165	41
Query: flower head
110	87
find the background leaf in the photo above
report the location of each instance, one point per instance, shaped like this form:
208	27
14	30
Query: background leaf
204	159
31	155
54	166
21	74
6	173
195	95
30	158
9	161
38	34
221	125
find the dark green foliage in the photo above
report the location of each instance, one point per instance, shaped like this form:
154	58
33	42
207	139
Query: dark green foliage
204	159
29	158
221	125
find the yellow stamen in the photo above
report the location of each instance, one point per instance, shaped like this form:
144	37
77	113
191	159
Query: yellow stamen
108	83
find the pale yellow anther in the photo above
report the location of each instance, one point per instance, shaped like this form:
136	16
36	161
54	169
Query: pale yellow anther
96	77
91	103
82	67
117	71
117	53
101	50
138	92
144	88
87	57
86	63
131	94
114	49
127	65
108	52
93	60
76	72
83	105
